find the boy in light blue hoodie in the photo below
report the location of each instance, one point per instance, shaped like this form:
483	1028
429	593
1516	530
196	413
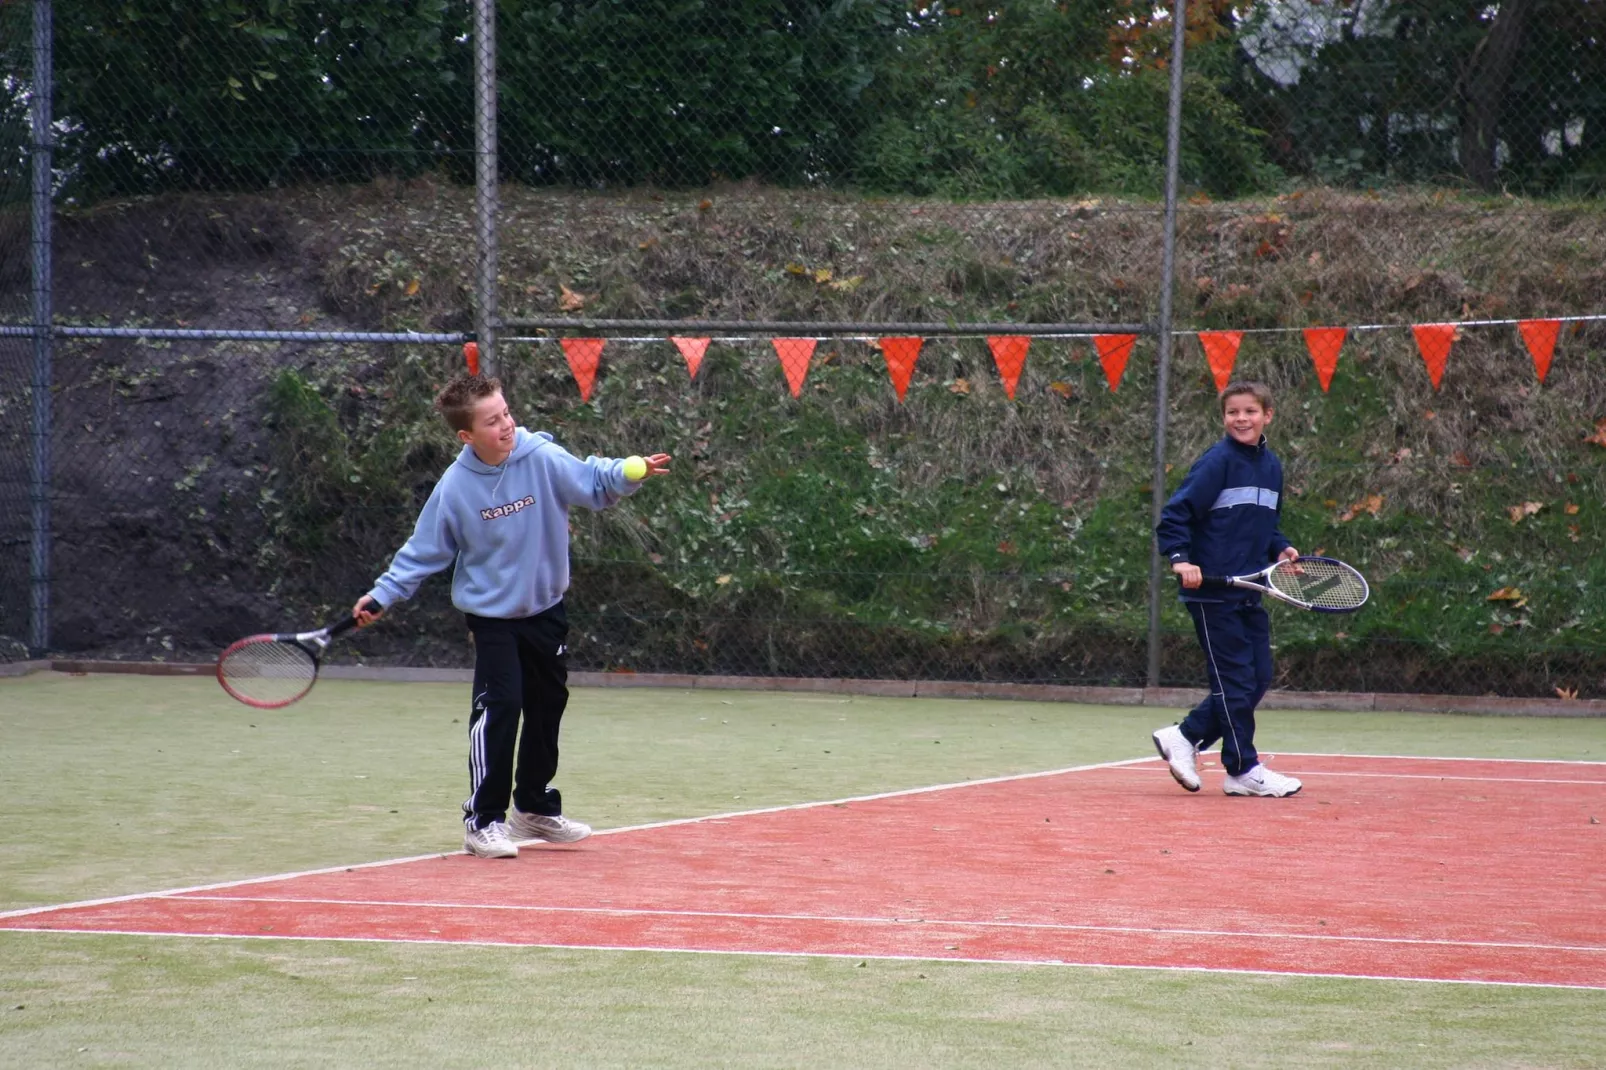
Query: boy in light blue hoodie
501	513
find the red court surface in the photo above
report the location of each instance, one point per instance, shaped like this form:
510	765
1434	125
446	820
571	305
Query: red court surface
1418	868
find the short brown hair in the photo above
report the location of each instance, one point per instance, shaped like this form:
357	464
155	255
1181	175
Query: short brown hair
1260	391
457	399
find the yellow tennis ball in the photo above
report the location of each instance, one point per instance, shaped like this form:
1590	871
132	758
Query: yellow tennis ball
635	468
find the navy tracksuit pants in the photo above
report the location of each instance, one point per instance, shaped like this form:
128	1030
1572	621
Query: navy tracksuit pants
520	667
1236	638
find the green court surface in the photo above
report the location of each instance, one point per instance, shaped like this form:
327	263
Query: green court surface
114	785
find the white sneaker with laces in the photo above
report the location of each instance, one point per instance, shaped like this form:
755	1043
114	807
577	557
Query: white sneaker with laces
555	829
1261	781
1180	754
489	842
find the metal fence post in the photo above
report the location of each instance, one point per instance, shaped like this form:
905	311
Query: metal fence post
485	180
39	477
1168	258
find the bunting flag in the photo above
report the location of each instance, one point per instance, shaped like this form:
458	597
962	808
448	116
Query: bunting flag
1540	338
795	354
1114	350
692	349
901	354
471	356
584	355
1221	350
1324	344
1434	339
1009	352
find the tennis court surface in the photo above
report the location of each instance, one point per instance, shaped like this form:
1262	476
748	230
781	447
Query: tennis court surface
1415	868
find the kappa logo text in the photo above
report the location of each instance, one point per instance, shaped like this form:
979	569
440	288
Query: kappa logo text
507	510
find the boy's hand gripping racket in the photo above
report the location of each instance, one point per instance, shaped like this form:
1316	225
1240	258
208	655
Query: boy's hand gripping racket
270	671
1319	583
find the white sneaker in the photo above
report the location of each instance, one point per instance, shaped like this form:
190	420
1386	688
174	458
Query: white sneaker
1261	781
489	842
556	829
1180	754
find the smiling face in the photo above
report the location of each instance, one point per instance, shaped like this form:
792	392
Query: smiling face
491	434
1245	418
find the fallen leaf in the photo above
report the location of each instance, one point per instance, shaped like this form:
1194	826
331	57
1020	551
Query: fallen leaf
1460	459
1496	629
1571	509
1369	504
1006	547
1567	692
1517	512
569	300
1509	594
1599	437
1063	389
796	269
960	386
412	288
722	580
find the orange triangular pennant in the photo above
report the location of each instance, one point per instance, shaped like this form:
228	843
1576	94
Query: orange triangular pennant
1324	344
1114	349
471	356
584	355
795	354
692	349
1009	352
1221	350
901	354
1540	338
1433	339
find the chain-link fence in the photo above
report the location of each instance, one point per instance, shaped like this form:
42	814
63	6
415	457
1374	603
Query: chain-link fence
231	179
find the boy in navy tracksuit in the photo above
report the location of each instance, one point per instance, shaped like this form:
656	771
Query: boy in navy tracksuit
501	513
1222	521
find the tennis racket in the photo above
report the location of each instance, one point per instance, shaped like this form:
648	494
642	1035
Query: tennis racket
1319	583
270	671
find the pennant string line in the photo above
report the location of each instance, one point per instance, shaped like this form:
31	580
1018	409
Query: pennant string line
765	338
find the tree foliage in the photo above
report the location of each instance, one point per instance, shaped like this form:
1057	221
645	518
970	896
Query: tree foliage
1012	98
1509	94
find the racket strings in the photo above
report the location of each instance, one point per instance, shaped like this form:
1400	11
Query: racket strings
1325	584
269	671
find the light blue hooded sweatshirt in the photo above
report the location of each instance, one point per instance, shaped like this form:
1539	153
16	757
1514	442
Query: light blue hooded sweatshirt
506	526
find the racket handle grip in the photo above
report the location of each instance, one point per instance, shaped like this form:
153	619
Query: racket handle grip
346	624
1214	581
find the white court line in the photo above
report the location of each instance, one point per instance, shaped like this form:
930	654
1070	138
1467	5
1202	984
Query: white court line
1433	776
1437	758
850	919
862	957
600	832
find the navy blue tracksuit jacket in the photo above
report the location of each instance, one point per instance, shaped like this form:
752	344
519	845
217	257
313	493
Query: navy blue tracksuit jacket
1223	518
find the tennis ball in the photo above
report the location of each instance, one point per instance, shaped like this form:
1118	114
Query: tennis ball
635	469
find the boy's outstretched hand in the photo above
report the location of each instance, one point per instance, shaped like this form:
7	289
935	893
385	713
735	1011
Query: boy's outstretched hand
657	464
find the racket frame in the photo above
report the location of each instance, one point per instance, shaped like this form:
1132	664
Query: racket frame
1252	582
312	643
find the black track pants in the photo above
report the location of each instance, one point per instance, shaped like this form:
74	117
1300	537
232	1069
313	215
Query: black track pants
1236	639
520	666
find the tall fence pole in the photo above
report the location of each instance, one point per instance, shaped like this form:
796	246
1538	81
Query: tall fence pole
485	176
1168	260
39	476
